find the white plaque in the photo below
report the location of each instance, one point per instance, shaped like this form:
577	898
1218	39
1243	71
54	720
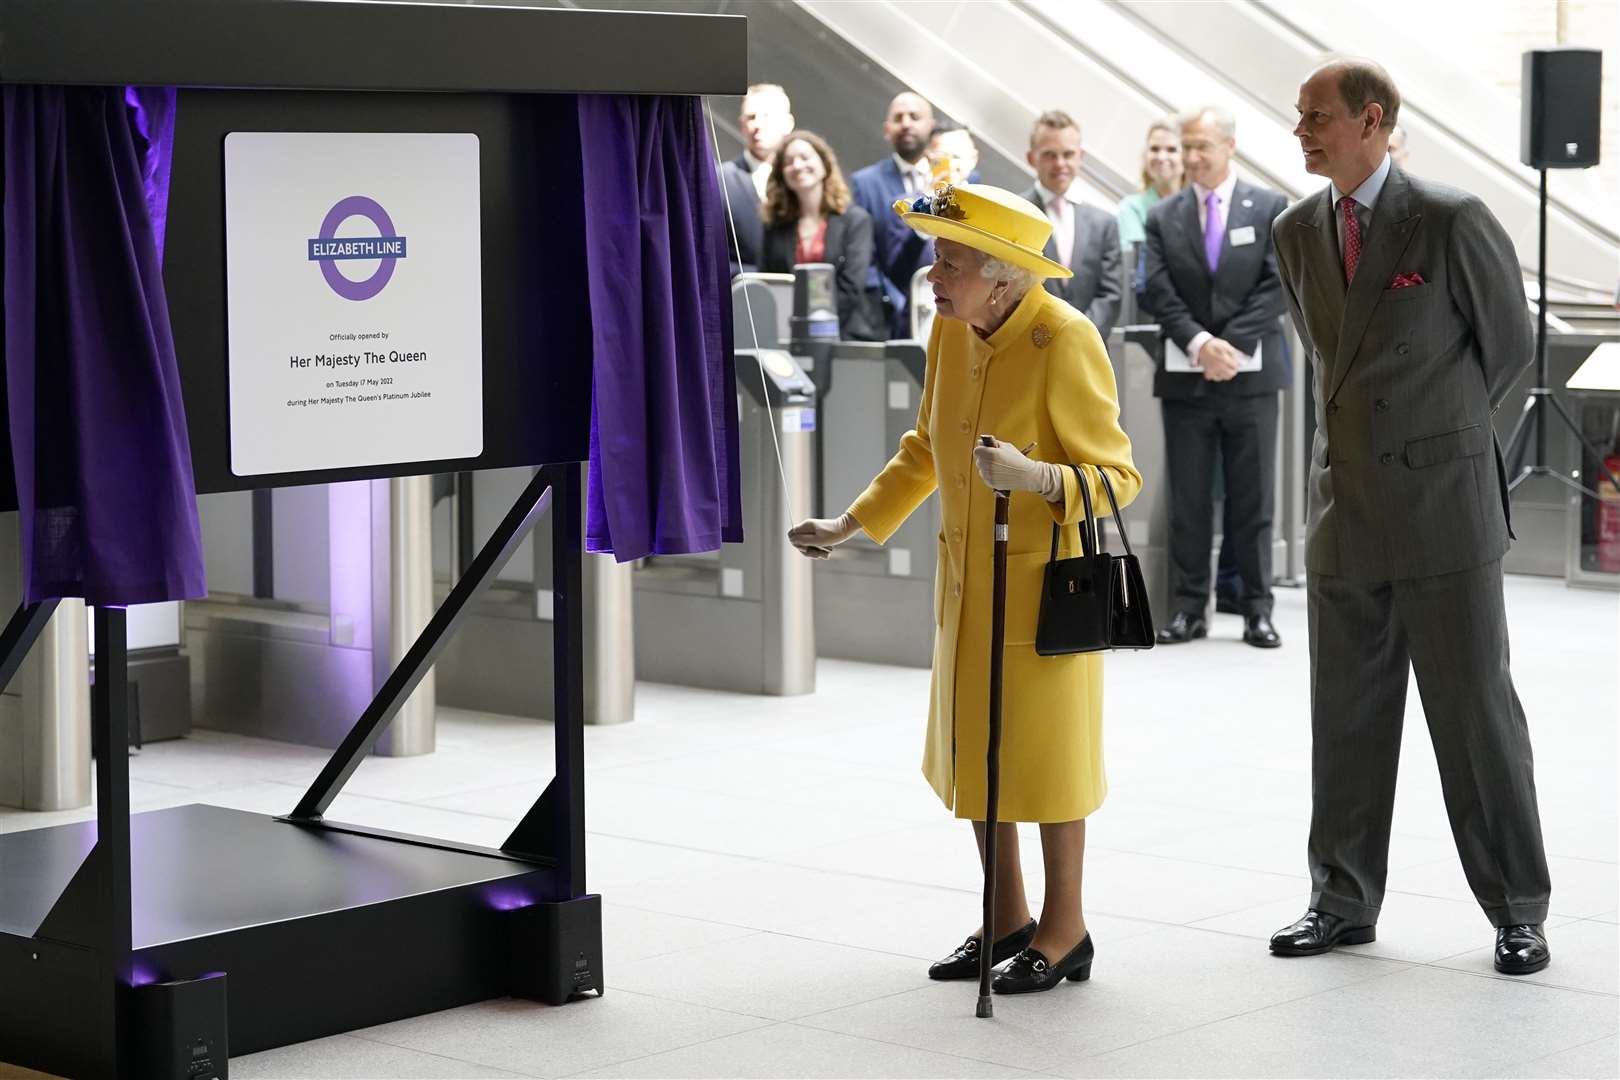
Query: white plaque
353	299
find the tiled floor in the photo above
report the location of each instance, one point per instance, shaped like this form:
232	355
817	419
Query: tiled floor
776	875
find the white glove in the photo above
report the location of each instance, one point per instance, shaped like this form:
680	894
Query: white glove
816	537
1005	469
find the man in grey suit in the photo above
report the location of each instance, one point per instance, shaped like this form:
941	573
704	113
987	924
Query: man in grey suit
1409	295
1212	283
1084	238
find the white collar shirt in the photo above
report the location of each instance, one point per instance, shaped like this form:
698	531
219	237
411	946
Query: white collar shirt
917	177
758	171
1223	207
1223	199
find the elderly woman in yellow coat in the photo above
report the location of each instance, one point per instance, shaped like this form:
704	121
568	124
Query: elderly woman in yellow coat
1009	359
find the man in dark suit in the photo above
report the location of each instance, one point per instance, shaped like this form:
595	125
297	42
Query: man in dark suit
1212	282
1084	238
900	251
1409	294
766	118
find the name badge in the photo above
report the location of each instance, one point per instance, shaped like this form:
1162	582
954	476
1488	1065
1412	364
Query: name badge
1243	236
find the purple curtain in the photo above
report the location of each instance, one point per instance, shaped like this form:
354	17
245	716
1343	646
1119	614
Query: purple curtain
664	477
98	440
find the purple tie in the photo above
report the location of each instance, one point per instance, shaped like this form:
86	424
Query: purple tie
1212	230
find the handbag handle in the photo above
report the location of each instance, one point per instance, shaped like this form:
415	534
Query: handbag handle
1119	520
1088	527
1091	529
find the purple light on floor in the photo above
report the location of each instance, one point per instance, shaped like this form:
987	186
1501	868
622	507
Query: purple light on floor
507	898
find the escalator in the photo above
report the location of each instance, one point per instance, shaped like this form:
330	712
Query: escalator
1117	66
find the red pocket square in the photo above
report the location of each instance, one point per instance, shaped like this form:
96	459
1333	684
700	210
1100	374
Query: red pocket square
1406	281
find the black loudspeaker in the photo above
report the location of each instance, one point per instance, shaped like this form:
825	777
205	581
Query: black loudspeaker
556	949
179	1030
1560	117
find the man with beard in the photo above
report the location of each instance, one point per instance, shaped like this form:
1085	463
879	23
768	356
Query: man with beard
907	127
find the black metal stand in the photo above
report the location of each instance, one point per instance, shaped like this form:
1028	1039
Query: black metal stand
1542	397
19	636
322	927
109	859
264	543
424	651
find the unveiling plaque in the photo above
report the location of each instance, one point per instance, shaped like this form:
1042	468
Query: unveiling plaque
353	299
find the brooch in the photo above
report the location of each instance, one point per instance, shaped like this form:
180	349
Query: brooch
1041	335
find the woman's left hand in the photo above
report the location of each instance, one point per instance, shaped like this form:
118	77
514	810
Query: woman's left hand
1004	468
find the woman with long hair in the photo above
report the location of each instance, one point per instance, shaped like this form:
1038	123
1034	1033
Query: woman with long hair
1162	177
810	217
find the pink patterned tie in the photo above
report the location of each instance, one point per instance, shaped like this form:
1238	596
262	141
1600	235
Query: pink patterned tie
1352	238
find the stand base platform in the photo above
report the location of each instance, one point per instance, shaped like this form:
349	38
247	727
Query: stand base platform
321	929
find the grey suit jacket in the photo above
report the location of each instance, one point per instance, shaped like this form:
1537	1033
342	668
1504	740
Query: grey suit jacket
1406	477
1096	288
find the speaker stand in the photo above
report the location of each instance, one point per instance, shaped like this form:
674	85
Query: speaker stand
1542	397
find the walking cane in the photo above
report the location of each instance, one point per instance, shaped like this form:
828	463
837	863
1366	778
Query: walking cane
998	632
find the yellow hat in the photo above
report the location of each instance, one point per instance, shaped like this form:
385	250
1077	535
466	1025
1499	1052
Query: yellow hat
988	219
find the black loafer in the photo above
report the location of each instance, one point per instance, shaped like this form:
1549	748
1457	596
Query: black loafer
1030	971
1319	932
1258	631
1522	949
1183	627
964	962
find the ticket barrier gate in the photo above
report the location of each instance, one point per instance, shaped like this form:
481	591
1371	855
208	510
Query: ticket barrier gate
874	603
741	619
317	593
494	663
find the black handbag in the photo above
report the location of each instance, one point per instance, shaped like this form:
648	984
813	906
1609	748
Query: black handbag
1096	600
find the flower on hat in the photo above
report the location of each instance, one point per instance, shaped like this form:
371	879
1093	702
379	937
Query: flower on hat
941	203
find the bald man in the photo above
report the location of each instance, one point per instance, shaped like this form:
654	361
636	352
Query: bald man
1410	297
907	126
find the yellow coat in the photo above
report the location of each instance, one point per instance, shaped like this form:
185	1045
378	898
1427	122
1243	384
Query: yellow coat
1042	377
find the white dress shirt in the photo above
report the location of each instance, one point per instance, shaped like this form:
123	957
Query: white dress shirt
1223	202
919	178
759	171
1223	207
1060	211
1366	197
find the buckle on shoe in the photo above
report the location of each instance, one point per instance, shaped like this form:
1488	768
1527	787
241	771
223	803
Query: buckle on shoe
1039	966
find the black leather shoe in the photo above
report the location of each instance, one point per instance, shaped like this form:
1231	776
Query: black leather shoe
1228	604
1521	949
1183	627
1258	631
1030	971
1319	932
964	962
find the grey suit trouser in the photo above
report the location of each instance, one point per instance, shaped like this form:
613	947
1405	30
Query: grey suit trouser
1451	630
